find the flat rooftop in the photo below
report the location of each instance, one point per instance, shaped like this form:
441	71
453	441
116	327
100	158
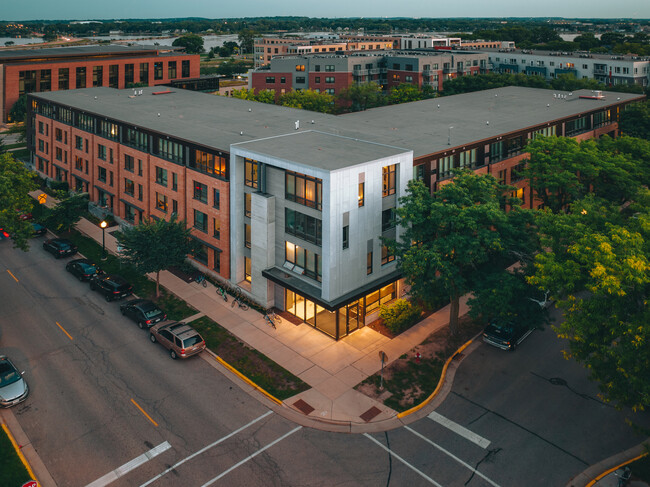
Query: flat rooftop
8	55
321	150
425	127
570	54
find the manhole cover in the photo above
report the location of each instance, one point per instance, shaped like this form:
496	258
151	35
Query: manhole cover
557	381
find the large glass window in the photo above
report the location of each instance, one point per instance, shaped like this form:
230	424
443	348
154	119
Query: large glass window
80	78
98	75
158	71
26	82
129	187
200	221
101	152
129	73
170	150
304	189
45	82
386	255
144	73
64	78
387	219
303	261
388	176
250	173
200	192
108	129
185	69
171	69
303	226
136	139
86	122
161	202
114	76
381	296
209	163
161	176
129	163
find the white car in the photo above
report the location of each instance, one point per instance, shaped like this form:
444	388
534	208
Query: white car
13	388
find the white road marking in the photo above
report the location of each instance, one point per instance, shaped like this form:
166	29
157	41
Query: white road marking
392	453
202	450
127	467
223	474
466	465
460	430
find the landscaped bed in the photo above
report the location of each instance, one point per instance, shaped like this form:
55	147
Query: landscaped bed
408	380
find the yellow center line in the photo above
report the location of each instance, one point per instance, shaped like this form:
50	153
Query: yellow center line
144	412
15	278
63	330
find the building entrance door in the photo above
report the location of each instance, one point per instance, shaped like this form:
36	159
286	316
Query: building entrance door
353	317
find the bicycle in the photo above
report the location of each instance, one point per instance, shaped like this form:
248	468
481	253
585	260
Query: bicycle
222	292
269	320
274	317
239	301
201	279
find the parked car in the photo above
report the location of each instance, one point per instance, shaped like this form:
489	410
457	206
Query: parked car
60	247
38	229
113	287
13	388
83	269
506	336
3	234
180	339
143	312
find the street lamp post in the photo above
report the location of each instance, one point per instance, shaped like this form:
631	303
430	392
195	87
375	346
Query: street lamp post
103	224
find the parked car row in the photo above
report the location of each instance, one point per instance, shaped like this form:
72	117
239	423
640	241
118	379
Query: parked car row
180	339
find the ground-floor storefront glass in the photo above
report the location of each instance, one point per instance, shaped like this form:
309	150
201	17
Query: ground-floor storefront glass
344	320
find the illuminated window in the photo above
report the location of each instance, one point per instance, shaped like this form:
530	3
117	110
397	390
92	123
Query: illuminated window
361	196
388	179
250	175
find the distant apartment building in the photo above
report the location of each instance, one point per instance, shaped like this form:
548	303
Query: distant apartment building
292	205
24	71
333	73
609	69
419	41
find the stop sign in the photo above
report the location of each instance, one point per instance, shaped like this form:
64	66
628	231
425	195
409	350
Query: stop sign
31	483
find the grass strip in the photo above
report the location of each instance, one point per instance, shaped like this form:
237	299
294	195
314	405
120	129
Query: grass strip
12	470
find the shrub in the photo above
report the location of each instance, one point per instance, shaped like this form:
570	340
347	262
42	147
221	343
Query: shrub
60	186
400	315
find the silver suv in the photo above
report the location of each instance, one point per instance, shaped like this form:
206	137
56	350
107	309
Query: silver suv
180	339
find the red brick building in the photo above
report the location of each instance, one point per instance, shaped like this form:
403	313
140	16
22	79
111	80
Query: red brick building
25	71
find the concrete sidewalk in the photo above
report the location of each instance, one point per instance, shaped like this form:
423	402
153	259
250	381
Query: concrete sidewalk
331	368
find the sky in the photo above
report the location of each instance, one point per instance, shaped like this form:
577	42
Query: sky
129	9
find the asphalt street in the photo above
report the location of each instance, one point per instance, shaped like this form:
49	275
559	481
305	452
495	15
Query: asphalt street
107	407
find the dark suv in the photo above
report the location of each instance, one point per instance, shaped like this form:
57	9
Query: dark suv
143	312
83	269
60	247
111	286
180	339
505	336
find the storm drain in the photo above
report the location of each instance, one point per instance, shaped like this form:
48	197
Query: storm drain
303	407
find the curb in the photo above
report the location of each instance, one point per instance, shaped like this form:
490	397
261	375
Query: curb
443	375
244	378
614	469
19	452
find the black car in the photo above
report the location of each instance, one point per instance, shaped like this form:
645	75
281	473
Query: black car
38	229
83	269
60	247
505	336
113	287
143	312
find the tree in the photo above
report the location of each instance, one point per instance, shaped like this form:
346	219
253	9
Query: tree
155	245
192	43
635	121
67	212
246	40
597	267
362	96
454	236
15	184
404	93
308	100
19	110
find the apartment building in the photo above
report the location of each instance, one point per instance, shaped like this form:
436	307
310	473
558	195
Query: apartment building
290	205
25	71
420	41
610	70
333	73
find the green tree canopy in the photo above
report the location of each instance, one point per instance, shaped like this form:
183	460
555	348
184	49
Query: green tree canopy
362	96
19	110
192	43
635	120
308	100
15	184
455	237
67	212
155	245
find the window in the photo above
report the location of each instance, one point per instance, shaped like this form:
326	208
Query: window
383	296
114	76
171	69
172	151
303	226
174	206
247	235
216	198
387	219
78	163
80	77
101	152
58	135
247	269
161	176
329	68
304	189
247	204
200	192
108	130
136	139
140	192
283	80
129	213
517	173
330	91
216	228
129	73
270	79
174	181
329	79
317	79
300	79
317	68
58	153
386	255
144	73
110	178
408	79
101	174
408	67
64	78
129	163
129	187
161	202
303	261
185	69
250	173
209	163
346	236
139	167
98	75
200	221
388	179
369	263
300	67
41	130
158	71
467	158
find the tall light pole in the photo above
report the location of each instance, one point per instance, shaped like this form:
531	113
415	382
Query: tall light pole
103	224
